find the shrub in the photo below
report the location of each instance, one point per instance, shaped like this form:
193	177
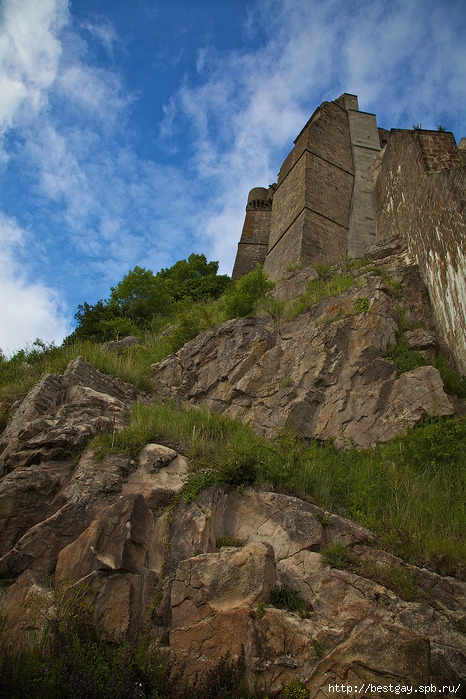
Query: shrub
227	680
74	660
435	443
405	358
295	690
361	304
452	381
241	300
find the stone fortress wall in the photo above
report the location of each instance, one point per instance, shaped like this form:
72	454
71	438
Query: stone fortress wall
420	183
347	184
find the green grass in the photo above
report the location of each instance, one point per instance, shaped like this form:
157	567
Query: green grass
334	280
454	384
397	578
338	556
318	290
407	359
226	540
411	492
283	597
133	364
22	372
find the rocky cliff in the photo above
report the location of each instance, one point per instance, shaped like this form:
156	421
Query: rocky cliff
324	374
302	592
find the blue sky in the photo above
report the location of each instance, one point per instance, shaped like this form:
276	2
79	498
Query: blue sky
132	130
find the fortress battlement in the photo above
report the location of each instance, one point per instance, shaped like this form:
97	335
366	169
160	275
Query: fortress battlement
347	184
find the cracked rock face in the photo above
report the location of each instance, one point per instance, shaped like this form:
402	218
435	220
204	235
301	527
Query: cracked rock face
323	374
62	413
116	529
143	566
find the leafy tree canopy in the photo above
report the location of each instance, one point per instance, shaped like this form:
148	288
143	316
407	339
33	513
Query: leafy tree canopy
194	277
90	321
142	295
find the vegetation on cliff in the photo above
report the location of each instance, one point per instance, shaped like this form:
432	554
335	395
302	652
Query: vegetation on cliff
74	660
142	298
164	310
409	491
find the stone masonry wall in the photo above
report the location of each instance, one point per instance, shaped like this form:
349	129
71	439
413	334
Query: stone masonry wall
254	242
439	150
325	205
420	190
365	142
312	202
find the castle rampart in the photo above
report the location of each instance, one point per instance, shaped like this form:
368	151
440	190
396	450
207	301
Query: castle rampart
323	203
420	186
338	192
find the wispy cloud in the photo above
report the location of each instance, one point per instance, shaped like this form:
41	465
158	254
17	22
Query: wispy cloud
68	117
101	203
28	310
406	62
29	55
104	32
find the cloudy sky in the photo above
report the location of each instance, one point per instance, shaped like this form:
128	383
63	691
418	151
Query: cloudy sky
132	130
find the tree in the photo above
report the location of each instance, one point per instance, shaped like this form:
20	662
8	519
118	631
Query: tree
140	295
90	322
194	277
242	298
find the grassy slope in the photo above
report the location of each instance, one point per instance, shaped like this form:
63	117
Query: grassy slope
411	492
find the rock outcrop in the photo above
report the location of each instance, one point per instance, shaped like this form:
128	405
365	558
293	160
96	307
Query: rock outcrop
61	414
206	577
323	374
142	565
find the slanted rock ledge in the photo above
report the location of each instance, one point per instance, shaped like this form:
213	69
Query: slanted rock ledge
105	526
323	374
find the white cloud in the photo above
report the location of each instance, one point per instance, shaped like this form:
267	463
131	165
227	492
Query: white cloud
405	61
111	208
29	309
104	32
29	55
95	91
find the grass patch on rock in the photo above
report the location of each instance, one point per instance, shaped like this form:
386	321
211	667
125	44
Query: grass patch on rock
410	491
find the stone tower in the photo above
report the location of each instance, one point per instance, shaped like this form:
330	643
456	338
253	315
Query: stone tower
323	204
347	184
254	243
